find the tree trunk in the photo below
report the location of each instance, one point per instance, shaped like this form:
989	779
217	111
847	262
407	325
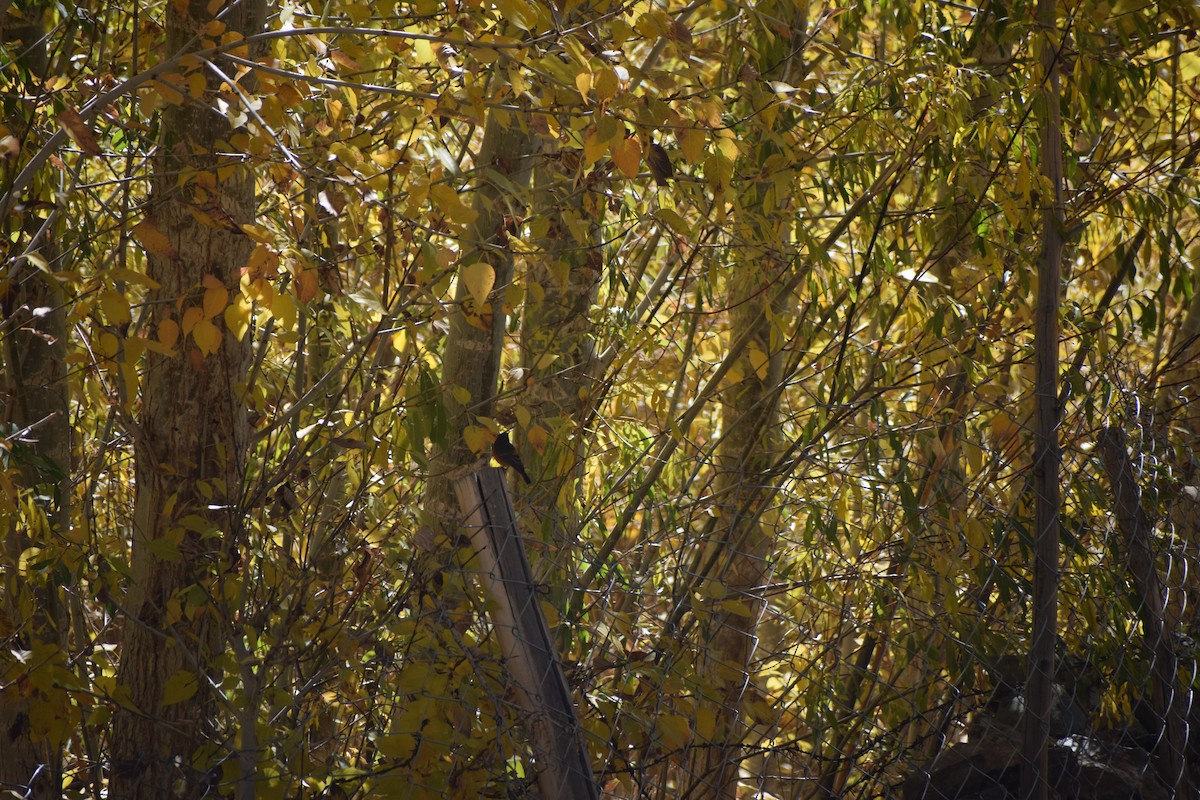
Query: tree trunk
471	357
558	356
745	456
190	443
1047	460
34	423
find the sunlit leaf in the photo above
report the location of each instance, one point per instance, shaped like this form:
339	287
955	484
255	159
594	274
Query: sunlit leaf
627	155
479	278
150	237
207	337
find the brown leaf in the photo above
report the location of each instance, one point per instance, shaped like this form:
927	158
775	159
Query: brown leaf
79	132
680	34
343	60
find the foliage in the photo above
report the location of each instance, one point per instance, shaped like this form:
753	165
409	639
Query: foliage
872	170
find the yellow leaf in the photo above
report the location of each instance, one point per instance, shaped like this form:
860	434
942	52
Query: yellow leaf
523	15
758	360
479	278
168	332
627	155
258	233
116	308
237	316
691	144
976	535
168	89
593	147
397	746
190	319
233	36
158	347
306	284
110	345
1004	429
737	608
264	262
207	337
477	438
1023	180
537	438
448	202
284	311
196	85
387	159
606	84
728	148
261	290
27	555
718	170
399	342
583	82
674	730
134	347
179	687
133	276
153	240
215	297
760	709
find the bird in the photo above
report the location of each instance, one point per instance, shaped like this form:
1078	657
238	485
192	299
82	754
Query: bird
507	456
659	163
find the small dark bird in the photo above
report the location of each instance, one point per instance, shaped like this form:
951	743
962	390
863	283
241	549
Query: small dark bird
504	453
659	163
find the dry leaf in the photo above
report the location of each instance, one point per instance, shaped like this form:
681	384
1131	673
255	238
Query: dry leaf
79	132
306	284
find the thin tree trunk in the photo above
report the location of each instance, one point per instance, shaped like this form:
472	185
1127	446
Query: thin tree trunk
745	456
1179	414
471	357
1168	698
1047	455
557	350
33	388
190	442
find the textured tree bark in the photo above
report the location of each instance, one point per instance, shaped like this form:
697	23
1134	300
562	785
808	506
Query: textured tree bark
34	398
1168	698
1047	457
471	356
1179	414
738	556
557	350
190	443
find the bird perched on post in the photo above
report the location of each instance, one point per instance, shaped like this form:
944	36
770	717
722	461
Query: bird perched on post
659	163
506	455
